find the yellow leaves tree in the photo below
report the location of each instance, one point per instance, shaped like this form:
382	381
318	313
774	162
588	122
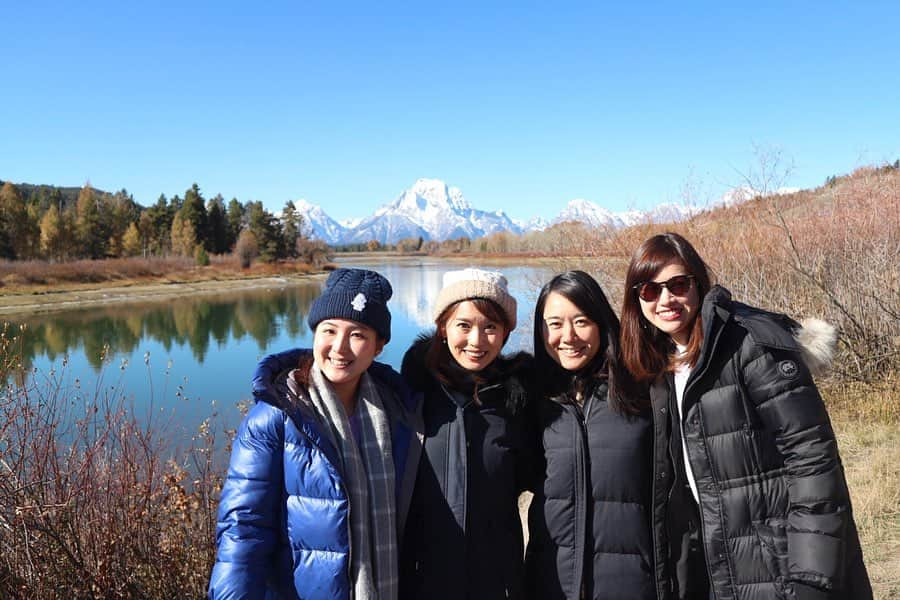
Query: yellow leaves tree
131	241
183	236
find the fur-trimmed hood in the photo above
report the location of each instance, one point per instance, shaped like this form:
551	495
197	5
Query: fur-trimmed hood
814	339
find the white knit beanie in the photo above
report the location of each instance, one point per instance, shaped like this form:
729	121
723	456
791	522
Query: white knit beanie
468	284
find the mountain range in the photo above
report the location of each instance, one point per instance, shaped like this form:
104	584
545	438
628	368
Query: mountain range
432	210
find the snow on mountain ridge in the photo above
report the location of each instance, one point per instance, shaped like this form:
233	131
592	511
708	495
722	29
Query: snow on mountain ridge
435	211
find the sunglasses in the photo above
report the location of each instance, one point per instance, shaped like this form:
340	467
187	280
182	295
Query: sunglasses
648	291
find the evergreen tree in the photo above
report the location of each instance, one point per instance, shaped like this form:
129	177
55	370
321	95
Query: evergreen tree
13	217
218	225
193	211
291	228
235	220
91	231
159	234
265	227
121	211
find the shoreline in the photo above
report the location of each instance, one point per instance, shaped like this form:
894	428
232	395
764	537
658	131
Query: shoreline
38	302
41	301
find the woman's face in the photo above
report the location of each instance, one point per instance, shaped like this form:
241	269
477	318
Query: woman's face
474	340
671	314
570	337
344	349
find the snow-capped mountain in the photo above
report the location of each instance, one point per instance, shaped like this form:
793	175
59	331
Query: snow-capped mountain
589	213
433	210
319	224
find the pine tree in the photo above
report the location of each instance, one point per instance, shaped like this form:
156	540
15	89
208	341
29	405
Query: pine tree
235	218
159	235
265	227
91	231
218	225
291	228
13	217
193	211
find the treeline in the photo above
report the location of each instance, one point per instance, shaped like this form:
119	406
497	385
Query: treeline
56	224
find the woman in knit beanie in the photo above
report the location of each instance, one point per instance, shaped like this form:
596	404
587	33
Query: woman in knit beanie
463	537
324	462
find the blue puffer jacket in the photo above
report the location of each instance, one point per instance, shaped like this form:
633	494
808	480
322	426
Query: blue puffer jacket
283	525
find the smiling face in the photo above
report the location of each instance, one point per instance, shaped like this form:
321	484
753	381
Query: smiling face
474	340
673	315
570	337
344	349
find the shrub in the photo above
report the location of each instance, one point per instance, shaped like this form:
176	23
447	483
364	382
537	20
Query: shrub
89	505
246	248
200	256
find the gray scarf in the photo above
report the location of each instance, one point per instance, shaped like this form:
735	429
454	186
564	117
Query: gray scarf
368	470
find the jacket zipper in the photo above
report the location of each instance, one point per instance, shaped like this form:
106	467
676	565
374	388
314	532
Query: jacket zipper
580	416
692	379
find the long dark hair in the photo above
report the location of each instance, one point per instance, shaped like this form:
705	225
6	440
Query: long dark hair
583	291
441	363
646	351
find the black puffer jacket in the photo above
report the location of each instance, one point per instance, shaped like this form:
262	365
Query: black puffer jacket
589	521
774	507
463	536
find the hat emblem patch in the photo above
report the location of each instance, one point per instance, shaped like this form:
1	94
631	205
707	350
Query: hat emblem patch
359	302
788	369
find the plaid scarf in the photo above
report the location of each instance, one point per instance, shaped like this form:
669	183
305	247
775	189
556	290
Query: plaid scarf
369	475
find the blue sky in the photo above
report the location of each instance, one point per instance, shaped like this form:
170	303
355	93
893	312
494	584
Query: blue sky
523	106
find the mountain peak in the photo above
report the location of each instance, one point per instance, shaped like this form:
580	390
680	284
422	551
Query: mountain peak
438	194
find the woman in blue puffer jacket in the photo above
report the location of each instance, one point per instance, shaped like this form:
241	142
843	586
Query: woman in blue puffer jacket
323	465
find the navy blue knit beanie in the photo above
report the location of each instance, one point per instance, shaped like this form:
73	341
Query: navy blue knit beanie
355	294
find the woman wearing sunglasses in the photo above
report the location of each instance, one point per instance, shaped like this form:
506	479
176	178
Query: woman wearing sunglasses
750	497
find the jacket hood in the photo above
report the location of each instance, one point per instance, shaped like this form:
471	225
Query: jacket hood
511	372
814	339
269	378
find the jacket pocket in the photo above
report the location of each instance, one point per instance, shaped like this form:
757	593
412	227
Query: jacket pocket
772	535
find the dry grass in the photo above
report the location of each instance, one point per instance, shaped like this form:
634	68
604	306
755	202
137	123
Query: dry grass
870	449
29	277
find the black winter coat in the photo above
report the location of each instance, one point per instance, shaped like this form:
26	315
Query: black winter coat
589	521
463	536
774	508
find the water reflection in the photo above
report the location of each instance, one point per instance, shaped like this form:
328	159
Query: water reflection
192	356
198	323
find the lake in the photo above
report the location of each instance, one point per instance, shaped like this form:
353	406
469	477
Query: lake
182	360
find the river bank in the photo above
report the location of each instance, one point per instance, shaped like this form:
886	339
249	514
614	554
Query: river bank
34	299
34	302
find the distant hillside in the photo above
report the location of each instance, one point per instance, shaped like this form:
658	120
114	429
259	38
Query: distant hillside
40	194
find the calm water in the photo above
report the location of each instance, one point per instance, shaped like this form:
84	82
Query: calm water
186	358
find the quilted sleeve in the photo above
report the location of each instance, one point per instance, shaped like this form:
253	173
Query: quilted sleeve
249	508
791	409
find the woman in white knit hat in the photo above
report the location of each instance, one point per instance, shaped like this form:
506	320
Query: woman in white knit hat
463	536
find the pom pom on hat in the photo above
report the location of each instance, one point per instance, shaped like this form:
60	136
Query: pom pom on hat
468	284
355	294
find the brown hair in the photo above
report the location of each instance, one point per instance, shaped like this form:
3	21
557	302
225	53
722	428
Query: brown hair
646	351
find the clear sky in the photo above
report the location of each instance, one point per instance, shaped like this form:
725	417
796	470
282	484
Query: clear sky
521	105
